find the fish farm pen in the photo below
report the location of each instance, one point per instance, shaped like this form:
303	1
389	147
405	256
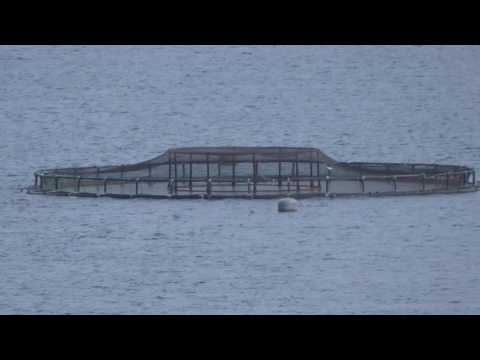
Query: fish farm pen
252	172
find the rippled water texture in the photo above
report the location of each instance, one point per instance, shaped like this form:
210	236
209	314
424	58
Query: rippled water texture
73	106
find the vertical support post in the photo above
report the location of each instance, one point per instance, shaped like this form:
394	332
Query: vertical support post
97	172
183	170
78	183
190	174
311	174
296	172
175	175
280	174
473	178
362	181
170	187
174	180
169	166
288	185
318	176
394	180
136	186
56	182
254	175
121	171
36	180
447	180
209	187
149	170
208	166
327	183
248	185
233	174
218	169
105	185
423	182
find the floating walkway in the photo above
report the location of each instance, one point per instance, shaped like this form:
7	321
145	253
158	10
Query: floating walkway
252	173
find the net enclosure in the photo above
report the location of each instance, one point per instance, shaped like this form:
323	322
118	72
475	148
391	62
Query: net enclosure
252	172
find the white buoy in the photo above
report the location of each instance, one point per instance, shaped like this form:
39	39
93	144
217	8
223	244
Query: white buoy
287	204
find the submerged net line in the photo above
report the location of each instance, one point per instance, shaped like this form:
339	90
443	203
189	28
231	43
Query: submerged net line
258	172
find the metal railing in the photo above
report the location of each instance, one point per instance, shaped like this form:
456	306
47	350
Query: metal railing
57	181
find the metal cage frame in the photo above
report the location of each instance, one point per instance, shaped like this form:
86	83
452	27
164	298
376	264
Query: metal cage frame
253	172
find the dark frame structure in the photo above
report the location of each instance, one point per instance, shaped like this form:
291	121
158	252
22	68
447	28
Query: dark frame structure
252	172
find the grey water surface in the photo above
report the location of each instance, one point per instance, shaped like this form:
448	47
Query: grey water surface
66	106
